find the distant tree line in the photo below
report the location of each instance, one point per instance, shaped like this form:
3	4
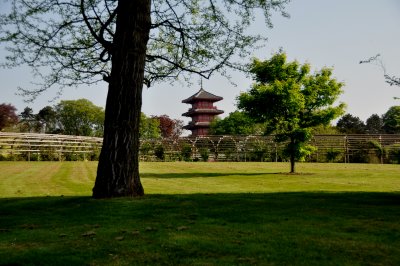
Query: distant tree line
81	118
238	123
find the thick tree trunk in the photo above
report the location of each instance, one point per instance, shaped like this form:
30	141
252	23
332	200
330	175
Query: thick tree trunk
118	169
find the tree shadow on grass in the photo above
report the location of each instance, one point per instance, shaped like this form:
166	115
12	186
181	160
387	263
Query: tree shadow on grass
204	174
306	228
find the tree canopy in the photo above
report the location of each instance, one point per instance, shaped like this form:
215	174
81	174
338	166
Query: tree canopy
80	117
169	128
76	39
149	127
236	123
350	124
391	120
291	101
374	124
8	116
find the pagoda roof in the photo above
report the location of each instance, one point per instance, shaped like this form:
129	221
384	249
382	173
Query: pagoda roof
194	125
193	112
203	95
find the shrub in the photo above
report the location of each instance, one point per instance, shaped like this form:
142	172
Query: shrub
332	155
204	154
394	153
186	152
159	152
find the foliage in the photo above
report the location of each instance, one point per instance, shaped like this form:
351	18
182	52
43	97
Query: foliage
204	154
169	128
47	118
325	130
27	121
149	127
394	153
186	152
8	117
159	152
350	124
291	101
80	117
374	124
391	120
146	148
236	123
75	40
332	155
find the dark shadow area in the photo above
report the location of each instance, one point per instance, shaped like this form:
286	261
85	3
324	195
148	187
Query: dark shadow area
313	228
206	174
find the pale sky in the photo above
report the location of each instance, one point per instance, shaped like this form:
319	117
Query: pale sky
329	33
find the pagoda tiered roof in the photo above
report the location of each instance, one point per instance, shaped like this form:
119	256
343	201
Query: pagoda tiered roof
213	111
202	95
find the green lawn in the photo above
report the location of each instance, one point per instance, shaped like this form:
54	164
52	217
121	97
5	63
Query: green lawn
202	214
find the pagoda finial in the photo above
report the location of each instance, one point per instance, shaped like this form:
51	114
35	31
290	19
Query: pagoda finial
201	83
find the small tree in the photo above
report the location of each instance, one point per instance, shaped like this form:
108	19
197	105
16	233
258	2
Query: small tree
291	101
169	128
8	116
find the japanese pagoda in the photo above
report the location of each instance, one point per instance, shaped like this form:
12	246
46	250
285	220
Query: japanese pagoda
202	112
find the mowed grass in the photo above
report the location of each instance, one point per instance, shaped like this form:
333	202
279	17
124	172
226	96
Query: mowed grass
31	179
202	214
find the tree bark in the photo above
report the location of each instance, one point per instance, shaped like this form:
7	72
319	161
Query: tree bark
118	168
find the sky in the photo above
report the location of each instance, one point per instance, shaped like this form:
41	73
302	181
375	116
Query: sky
335	34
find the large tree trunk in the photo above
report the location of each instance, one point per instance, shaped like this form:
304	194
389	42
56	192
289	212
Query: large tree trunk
118	169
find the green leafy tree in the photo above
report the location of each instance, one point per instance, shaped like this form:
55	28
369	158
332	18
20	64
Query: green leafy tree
391	120
149	127
8	117
80	117
374	124
47	119
325	130
236	123
350	124
127	44
27	122
291	101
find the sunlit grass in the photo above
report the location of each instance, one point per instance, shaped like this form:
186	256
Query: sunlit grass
26	179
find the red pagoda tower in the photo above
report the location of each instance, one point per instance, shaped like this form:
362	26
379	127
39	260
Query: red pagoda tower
202	112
